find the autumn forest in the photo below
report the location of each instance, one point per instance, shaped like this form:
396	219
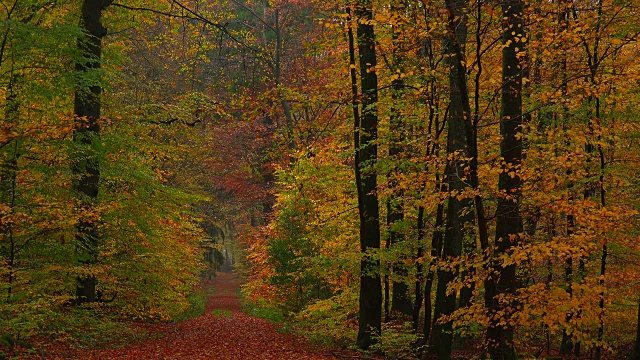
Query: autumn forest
368	179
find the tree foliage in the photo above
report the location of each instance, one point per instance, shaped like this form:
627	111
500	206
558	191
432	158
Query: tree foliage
470	165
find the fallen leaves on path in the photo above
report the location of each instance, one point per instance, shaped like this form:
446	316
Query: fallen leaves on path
223	332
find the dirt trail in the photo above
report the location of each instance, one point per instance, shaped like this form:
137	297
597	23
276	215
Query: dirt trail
223	332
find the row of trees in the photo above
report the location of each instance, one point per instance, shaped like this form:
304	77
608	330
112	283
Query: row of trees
494	182
138	139
465	166
102	211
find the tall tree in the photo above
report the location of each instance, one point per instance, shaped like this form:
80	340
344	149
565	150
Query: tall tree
85	166
459	214
366	157
502	281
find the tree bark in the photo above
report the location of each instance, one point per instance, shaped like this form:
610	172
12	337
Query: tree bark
436	253
417	304
85	164
8	182
366	136
460	216
502	279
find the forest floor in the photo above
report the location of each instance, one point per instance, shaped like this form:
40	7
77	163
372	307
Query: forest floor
222	332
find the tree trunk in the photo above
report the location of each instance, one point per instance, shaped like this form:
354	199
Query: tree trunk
279	81
460	216
385	280
603	258
8	182
366	134
436	253
503	280
85	164
417	305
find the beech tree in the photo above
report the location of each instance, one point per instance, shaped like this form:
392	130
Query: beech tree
502	282
366	133
459	213
86	165
499	142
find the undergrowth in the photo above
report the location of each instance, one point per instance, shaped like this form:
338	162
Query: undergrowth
196	307
264	310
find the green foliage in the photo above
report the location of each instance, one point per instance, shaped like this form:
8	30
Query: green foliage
288	253
197	302
204	136
332	321
397	341
265	310
151	235
91	328
149	256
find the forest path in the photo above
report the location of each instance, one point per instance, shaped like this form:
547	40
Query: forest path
222	332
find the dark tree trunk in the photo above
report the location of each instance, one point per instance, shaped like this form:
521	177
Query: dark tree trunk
460	216
566	344
603	258
385	281
279	80
85	165
436	253
508	219
417	305
366	134
8	182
